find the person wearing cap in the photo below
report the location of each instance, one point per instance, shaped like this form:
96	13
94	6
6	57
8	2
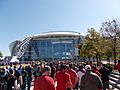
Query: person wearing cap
90	81
44	82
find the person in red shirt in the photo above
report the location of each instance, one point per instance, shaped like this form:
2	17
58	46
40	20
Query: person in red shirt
45	82
63	79
118	66
73	75
96	71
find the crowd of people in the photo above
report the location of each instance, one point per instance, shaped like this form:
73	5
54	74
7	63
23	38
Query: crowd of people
60	75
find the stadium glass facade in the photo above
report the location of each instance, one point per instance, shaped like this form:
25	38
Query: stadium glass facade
53	46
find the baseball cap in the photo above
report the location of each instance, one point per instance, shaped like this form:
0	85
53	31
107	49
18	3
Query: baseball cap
88	67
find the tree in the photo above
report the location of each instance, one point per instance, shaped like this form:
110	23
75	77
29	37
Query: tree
111	31
92	45
1	54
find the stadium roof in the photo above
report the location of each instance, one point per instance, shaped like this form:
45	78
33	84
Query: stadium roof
58	33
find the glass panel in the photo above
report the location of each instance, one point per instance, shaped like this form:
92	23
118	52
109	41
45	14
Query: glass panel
52	49
42	49
49	49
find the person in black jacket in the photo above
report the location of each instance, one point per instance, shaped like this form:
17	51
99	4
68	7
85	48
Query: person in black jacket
12	81
24	78
90	80
53	70
105	72
3	79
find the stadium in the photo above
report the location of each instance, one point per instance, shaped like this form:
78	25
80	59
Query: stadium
54	45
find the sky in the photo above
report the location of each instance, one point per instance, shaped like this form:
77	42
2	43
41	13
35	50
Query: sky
22	18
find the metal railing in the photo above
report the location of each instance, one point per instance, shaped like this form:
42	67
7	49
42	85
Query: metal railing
22	47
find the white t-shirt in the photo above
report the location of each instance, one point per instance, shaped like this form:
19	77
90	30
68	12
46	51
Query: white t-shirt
80	74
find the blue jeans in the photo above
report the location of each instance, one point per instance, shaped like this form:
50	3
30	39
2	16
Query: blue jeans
29	80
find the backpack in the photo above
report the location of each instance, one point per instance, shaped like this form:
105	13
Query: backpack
3	83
